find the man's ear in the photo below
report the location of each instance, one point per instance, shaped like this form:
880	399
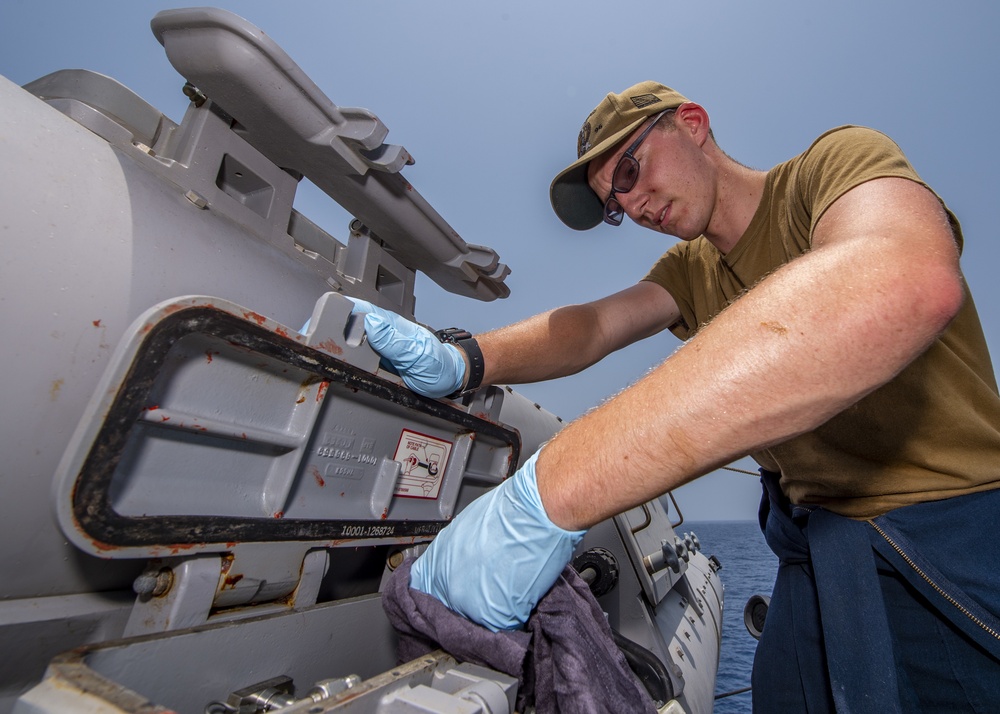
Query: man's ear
693	119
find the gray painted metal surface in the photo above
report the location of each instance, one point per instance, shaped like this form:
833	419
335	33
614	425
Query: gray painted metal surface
200	498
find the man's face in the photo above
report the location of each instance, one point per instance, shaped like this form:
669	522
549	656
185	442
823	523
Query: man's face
674	193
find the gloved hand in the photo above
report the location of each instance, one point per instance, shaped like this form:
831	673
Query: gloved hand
427	365
498	557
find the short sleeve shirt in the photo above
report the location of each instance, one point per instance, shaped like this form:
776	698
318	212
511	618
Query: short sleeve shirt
930	433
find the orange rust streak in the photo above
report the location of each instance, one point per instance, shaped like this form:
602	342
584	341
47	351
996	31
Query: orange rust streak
331	347
101	546
259	319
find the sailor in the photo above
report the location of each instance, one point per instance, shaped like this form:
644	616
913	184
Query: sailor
829	333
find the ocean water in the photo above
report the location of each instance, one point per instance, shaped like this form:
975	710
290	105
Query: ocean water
748	568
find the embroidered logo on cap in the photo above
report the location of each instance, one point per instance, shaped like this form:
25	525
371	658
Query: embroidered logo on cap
644	100
583	140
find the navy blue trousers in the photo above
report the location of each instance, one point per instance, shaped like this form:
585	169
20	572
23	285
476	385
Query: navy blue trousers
897	614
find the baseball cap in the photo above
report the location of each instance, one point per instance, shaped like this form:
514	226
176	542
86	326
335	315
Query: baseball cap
615	118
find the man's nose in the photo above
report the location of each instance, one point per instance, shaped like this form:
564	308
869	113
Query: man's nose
634	202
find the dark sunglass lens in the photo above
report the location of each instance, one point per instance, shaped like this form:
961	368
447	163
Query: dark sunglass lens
613	212
626	174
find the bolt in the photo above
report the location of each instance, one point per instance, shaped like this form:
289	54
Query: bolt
326	688
196	96
154	584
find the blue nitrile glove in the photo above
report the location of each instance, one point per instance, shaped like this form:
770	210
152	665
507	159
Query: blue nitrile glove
498	557
427	365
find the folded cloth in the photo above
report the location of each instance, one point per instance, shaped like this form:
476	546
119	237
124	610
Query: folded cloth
565	661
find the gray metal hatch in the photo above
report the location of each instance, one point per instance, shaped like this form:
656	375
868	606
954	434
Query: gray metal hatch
215	426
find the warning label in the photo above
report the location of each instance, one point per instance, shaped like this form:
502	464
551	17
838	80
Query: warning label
423	460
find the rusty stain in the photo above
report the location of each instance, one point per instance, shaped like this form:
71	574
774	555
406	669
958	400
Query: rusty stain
259	319
152	408
281	331
385	513
300	399
331	347
309	381
164	418
97	323
316	475
321	392
209	354
775	327
101	546
279	514
231	581
56	386
243	434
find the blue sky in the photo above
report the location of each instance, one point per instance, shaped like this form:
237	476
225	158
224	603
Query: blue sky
488	97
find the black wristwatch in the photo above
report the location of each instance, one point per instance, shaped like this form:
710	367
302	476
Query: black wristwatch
467	343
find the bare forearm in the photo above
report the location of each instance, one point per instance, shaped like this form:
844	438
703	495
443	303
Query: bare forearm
546	346
569	339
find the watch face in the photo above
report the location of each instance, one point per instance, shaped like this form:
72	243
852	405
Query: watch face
453	334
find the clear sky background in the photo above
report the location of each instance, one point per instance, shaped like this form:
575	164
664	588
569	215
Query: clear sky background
489	97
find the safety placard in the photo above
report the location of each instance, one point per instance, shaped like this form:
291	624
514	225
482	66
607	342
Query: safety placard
423	459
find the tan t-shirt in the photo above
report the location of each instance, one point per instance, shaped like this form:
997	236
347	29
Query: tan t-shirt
933	431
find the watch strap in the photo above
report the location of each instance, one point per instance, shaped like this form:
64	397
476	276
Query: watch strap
464	340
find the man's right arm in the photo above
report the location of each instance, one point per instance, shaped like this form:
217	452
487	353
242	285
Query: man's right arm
569	339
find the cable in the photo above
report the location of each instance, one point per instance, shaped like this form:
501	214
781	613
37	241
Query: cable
735	691
741	471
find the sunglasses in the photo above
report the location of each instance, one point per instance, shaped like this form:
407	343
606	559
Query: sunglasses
625	176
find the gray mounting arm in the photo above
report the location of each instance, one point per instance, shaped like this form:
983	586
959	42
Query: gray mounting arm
285	116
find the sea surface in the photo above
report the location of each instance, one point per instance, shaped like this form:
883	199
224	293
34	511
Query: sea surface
748	568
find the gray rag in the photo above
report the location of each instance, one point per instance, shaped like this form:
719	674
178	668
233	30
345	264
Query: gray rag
565	661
